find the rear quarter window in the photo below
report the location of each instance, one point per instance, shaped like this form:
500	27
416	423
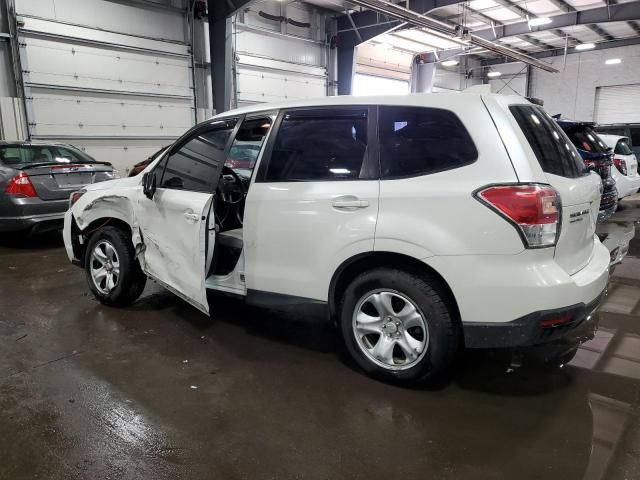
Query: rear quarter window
418	141
551	146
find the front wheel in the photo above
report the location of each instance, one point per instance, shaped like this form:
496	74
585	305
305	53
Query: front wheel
398	327
113	272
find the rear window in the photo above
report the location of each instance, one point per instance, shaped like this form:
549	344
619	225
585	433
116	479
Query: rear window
25	155
419	141
622	148
555	153
586	139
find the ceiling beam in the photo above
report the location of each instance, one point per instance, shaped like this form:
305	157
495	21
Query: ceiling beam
613	13
560	51
453	33
600	31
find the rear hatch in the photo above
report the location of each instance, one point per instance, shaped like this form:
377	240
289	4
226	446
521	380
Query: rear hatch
57	182
565	171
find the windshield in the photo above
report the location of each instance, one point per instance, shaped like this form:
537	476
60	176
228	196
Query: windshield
25	155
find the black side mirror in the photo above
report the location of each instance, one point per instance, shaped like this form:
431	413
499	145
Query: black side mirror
149	185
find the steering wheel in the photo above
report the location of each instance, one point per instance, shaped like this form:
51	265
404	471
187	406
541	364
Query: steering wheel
232	192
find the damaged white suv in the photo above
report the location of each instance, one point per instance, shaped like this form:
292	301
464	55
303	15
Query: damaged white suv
423	223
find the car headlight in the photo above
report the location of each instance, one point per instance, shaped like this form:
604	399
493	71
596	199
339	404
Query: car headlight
75	196
115	173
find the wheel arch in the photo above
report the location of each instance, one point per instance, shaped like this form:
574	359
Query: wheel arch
357	264
79	249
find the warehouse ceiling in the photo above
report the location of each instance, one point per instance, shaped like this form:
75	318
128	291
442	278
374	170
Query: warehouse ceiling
541	37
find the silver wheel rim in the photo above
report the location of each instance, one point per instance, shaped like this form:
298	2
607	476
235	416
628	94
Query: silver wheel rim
104	267
390	329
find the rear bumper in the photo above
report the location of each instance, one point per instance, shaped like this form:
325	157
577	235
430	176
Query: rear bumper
21	213
503	298
530	330
32	223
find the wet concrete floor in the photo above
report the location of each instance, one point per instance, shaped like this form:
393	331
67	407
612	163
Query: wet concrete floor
160	391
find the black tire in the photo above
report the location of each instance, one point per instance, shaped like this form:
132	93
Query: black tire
426	294
131	280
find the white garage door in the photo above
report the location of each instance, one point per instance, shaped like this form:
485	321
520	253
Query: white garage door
619	104
280	54
118	97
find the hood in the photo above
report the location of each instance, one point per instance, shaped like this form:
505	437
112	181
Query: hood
118	183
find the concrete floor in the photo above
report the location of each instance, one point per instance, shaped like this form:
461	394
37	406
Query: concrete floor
160	391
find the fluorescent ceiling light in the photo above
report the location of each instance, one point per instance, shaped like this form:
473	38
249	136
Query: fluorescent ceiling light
585	46
613	61
494	74
450	63
534	22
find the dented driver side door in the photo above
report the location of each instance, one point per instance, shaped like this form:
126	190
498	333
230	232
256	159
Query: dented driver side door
174	221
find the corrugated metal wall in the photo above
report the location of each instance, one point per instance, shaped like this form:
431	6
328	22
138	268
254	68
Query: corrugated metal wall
113	79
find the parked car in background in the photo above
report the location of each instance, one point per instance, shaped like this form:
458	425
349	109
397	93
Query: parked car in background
598	158
629	130
482	214
625	171
37	179
140	166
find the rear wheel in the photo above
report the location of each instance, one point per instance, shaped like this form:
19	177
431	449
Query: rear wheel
113	274
398	327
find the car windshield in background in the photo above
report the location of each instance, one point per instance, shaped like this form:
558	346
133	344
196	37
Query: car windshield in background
622	148
551	146
25	155
586	139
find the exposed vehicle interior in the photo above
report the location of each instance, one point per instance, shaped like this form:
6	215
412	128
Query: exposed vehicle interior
228	209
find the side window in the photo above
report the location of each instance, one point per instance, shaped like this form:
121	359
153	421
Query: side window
319	144
197	163
246	146
418	141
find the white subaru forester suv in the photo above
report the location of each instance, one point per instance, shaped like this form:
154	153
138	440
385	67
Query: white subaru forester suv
423	223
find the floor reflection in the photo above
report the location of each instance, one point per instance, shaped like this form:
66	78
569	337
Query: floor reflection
612	359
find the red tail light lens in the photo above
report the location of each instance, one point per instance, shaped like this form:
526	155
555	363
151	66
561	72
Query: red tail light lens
621	165
533	209
21	185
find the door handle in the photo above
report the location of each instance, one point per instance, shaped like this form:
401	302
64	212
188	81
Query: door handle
349	203
192	217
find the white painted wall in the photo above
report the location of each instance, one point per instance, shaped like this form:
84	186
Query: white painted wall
572	92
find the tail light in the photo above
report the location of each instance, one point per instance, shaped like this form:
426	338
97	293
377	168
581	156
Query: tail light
621	165
533	209
21	185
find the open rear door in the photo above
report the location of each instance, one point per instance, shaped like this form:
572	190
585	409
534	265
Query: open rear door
174	226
